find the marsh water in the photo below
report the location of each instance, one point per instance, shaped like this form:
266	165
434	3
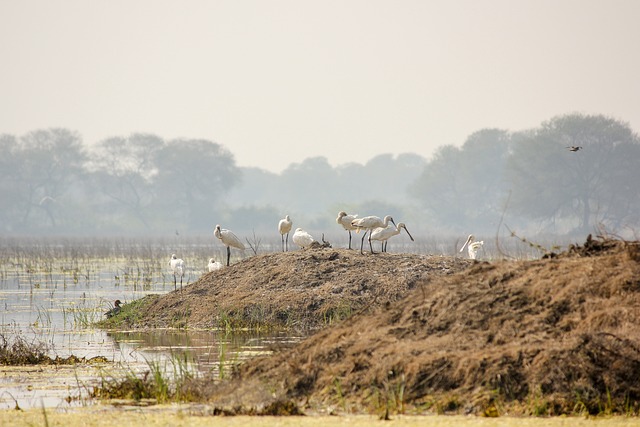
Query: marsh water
53	291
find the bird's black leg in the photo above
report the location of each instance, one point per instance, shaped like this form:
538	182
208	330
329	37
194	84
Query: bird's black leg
349	238
370	245
287	242
175	281
282	238
228	255
362	241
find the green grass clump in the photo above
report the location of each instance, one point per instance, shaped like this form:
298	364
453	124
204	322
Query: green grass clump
130	314
158	384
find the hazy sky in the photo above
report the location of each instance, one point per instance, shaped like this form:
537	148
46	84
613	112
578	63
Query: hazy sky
278	81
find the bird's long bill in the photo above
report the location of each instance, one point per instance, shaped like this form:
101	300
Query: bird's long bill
465	243
410	236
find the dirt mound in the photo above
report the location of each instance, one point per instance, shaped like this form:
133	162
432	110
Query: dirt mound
299	289
550	336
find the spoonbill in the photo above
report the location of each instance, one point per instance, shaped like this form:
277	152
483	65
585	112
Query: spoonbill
473	246
345	221
177	266
368	224
302	238
214	265
228	239
574	148
384	234
115	310
284	227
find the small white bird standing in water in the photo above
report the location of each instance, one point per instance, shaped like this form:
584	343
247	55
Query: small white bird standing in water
214	265
302	238
284	227
345	221
177	266
384	234
228	239
368	224
473	246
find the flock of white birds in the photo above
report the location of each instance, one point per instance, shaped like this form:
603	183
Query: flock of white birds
379	229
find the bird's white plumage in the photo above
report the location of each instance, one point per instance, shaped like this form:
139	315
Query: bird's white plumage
370	223
302	238
214	265
384	234
284	227
473	246
177	265
228	239
178	268
345	220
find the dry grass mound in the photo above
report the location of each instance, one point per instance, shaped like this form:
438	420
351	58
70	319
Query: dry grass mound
546	337
300	289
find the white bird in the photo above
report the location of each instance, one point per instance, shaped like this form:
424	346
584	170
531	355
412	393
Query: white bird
228	239
384	234
345	221
284	227
302	238
214	265
473	246
178	267
368	224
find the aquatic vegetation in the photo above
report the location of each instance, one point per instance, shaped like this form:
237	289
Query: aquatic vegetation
16	350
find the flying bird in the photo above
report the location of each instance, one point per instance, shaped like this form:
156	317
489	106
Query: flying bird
302	238
177	266
473	246
368	224
345	221
228	239
284	227
214	265
574	148
115	310
384	234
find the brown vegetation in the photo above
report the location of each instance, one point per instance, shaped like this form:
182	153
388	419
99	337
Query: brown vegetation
544	337
16	350
302	289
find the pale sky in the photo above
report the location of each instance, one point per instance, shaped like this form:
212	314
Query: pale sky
276	82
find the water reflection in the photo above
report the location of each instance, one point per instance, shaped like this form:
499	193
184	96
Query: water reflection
54	295
209	351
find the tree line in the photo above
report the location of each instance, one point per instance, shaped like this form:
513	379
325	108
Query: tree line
52	183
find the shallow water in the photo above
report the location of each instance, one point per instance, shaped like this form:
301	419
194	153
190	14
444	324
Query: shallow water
53	295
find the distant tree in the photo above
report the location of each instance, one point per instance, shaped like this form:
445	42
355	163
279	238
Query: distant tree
193	175
310	185
389	177
123	170
258	187
463	188
9	179
47	164
596	184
